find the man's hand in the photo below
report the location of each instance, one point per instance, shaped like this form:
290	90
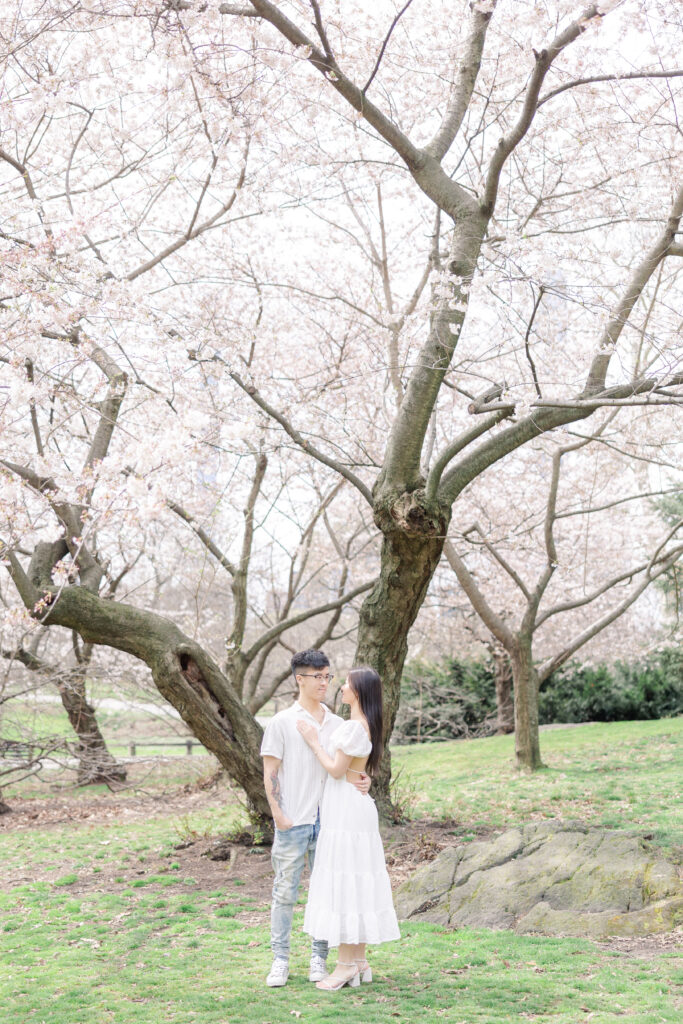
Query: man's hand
362	783
282	823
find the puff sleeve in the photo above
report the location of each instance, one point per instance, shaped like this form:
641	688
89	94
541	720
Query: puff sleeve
352	738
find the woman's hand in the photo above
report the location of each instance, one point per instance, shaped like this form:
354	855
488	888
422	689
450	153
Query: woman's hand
308	731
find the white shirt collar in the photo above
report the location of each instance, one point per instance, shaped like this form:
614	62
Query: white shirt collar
301	710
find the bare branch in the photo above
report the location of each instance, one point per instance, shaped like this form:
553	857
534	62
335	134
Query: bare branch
294	620
384	45
512	573
537	303
235	9
664	564
456	446
305	445
194	229
28	363
463	86
544	61
203	536
618	501
493	621
644	271
427	171
629	77
24	172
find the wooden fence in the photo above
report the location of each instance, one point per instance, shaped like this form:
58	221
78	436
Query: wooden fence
188	744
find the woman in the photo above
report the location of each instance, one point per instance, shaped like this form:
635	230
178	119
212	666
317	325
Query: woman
349	898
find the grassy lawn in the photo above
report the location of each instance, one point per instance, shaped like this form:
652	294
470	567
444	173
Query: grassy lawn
618	775
104	919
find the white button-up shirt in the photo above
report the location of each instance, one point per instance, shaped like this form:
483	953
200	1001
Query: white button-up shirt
301	775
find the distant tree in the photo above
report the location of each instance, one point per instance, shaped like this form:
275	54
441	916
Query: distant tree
604	567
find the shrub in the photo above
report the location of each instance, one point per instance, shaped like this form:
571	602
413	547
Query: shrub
452	699
646	689
444	700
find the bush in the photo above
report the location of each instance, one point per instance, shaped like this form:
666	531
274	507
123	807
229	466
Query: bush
445	700
452	699
646	689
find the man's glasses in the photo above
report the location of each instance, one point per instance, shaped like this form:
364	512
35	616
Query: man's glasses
319	677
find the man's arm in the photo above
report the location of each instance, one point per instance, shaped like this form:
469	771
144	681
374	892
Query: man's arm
362	782
271	780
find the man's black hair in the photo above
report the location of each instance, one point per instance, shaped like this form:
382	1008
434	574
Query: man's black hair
309	659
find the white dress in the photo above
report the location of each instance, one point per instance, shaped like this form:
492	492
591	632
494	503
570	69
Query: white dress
349	897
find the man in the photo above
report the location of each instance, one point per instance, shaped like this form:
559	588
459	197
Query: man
294	781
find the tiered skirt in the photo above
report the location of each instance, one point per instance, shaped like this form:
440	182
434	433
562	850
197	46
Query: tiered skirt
349	898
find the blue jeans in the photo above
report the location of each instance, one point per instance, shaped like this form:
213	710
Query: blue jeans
288	858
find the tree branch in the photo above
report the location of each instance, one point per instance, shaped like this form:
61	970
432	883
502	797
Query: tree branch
629	77
493	621
665	563
512	573
534	311
305	445
644	271
580	602
456	446
427	171
384	45
544	61
203	536
194	229
463	87
294	620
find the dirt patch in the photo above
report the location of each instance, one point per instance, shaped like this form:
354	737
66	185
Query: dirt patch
646	947
102	808
247	870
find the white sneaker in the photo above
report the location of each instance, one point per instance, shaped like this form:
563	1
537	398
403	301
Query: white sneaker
279	972
318	969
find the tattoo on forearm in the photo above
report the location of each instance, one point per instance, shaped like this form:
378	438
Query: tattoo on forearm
275	788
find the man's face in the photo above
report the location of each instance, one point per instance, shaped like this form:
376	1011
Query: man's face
313	682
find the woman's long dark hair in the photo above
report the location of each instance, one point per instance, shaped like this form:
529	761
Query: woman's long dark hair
367	686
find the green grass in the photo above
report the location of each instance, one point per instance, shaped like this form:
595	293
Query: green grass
120	727
619	775
153	945
135	959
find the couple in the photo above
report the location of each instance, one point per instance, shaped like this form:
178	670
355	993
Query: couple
314	767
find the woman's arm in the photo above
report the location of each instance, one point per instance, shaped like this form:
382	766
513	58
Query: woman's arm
336	766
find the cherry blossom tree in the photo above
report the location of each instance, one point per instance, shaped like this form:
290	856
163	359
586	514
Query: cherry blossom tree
415	240
571	569
514	134
117	436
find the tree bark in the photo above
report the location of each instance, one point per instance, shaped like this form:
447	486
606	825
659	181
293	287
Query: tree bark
505	719
4	808
525	681
95	763
413	531
183	673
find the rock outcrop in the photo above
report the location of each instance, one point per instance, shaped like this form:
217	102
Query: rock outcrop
552	877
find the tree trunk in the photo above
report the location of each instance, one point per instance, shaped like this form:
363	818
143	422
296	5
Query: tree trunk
525	680
505	718
414	533
184	673
95	763
4	808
